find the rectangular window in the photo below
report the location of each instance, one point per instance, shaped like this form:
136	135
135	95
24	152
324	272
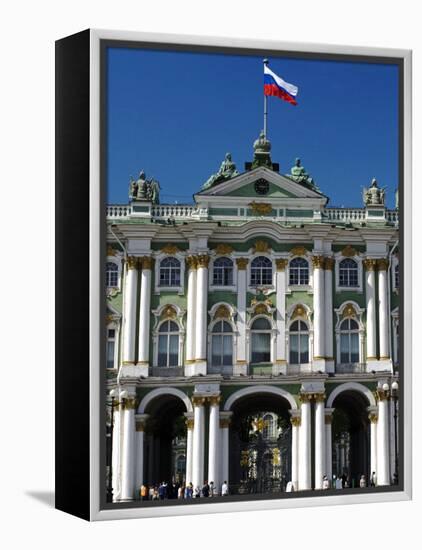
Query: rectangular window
110	354
162	351
294	349
261	348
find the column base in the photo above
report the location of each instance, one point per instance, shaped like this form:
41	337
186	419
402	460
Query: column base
240	369
130	370
199	368
319	364
379	365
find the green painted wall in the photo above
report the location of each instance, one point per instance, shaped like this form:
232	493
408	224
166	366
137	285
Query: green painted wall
249	191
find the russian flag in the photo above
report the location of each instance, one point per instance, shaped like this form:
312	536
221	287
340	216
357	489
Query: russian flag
274	85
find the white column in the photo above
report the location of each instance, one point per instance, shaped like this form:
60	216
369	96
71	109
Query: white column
384	320
214	442
371	328
198	441
129	326
225	431
144	313
319	311
383	471
305	443
128	449
201	313
140	422
280	357
189	446
241	362
328	318
373	418
295	421
320	449
328	445
191	299
115	456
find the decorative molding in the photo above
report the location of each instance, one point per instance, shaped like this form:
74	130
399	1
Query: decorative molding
281	264
382	264
299	311
348	251
214	400
198	400
129	403
242	263
146	262
189	423
373	417
222	312
349	311
319	397
111	251
329	264
261	309
225	422
170	249
328	418
369	264
203	260
307	397
260	208
141	424
295	421
223	249
318	262
382	395
261	246
169	312
298	251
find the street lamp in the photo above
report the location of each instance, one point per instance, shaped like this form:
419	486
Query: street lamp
114	403
395	397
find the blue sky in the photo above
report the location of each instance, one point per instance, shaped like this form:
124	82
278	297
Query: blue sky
176	114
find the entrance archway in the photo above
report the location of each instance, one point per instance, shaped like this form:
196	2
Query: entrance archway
350	437
260	443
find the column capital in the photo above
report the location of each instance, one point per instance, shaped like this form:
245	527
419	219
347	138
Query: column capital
198	400
203	260
214	400
281	263
382	264
307	397
146	262
129	403
241	263
318	262
225	419
295	421
328	413
141	422
369	264
132	262
192	262
382	395
329	264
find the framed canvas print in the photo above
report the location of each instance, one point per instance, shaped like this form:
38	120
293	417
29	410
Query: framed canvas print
233	275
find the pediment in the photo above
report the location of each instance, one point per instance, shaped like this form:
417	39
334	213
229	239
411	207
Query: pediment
243	186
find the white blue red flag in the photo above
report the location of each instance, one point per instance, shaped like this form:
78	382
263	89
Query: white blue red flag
276	86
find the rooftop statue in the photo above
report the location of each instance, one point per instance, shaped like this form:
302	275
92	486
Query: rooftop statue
374	196
226	171
143	189
262	152
300	175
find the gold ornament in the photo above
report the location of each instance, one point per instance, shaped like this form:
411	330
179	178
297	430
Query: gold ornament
169	312
132	262
369	264
298	251
299	311
111	251
382	264
224	422
261	309
222	312
373	417
281	264
319	397
170	249
305	397
214	400
146	262
192	262
318	262
129	403
198	400
328	418
189	423
261	246
329	264
348	251
382	395
203	260
295	421
260	208
141	424
223	249
241	263
349	311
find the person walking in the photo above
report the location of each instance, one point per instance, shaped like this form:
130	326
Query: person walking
189	491
213	491
362	481
205	490
197	492
181	492
325	483
143	492
224	489
373	480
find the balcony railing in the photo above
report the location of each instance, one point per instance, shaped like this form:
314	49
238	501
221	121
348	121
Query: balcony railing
349	215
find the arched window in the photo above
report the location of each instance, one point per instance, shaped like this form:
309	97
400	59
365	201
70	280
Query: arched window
348	273
221	344
396	277
223	272
111	346
299	343
170	272
269	431
349	341
112	275
299	272
261	341
168	344
261	271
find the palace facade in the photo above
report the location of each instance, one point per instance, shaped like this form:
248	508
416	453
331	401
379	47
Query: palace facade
252	336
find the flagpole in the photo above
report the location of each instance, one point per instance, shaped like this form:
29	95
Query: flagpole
265	61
